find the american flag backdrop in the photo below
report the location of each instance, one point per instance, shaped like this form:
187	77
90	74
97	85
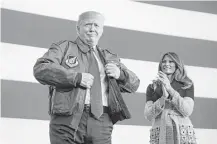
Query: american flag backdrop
140	32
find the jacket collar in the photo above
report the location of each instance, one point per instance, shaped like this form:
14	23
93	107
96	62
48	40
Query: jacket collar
82	46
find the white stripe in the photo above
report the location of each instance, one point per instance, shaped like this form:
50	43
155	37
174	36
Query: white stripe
17	63
0	75
23	131
205	79
128	15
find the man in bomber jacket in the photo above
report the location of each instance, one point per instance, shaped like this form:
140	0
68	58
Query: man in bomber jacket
77	72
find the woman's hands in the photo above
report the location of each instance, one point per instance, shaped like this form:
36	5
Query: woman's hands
165	83
162	77
165	93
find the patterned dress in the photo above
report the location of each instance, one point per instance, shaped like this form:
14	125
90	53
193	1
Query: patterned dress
170	121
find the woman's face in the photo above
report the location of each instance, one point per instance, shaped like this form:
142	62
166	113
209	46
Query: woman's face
168	66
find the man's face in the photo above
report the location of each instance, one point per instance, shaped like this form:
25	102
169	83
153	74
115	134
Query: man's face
90	31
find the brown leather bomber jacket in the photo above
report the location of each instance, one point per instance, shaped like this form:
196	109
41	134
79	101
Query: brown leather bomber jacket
61	67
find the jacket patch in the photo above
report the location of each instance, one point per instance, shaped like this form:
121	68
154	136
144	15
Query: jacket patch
72	61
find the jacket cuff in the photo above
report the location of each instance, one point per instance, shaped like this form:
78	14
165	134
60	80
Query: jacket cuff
159	105
78	79
174	98
123	76
158	108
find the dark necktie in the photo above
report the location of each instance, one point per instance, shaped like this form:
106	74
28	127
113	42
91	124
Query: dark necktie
95	91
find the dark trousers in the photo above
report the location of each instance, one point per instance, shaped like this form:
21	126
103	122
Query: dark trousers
90	130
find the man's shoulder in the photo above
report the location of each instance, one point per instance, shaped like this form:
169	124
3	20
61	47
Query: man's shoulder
64	43
110	56
109	51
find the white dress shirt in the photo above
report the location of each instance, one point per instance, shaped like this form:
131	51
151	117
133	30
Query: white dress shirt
104	84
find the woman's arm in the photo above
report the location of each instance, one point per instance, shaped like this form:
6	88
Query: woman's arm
153	109
184	105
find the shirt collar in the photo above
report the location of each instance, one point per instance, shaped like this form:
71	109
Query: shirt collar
82	46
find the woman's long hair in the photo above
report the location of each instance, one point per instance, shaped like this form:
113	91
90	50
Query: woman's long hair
180	73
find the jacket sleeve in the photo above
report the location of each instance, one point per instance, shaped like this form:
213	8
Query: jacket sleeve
184	105
49	71
128	81
152	109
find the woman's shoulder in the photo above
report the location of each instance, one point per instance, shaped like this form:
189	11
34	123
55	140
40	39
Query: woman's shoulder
180	85
153	93
150	87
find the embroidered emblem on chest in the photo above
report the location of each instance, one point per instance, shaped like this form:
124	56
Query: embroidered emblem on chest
71	61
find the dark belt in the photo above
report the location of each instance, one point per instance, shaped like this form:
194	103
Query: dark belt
87	108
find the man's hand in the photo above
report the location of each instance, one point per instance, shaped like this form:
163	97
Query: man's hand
112	70
87	80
